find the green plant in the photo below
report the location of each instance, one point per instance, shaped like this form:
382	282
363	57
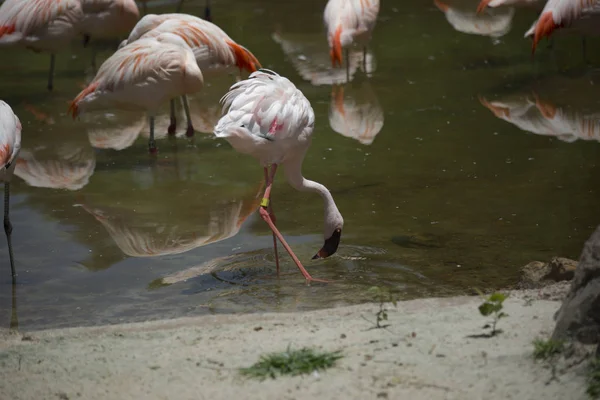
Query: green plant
291	362
492	305
545	349
593	389
382	296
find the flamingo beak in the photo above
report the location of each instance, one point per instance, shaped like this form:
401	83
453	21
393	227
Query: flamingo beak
330	246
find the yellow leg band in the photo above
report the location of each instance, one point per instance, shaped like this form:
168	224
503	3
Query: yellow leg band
264	202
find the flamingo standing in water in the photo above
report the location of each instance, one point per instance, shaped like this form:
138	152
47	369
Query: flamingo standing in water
40	25
50	25
10	144
270	119
562	13
212	48
143	75
349	22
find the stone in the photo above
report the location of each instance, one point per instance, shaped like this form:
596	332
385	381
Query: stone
537	274
579	316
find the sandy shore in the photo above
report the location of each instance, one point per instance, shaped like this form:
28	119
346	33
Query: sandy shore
425	353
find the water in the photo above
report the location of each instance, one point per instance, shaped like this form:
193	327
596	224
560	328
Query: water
438	194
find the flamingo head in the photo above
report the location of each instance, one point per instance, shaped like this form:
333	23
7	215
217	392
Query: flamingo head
330	246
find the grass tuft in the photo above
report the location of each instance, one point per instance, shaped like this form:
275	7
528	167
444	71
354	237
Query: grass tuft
291	362
593	389
544	349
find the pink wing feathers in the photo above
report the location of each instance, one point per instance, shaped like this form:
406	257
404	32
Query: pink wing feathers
10	135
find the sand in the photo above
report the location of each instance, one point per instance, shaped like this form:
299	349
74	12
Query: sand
425	353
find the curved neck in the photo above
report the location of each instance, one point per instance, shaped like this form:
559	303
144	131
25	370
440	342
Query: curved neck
293	173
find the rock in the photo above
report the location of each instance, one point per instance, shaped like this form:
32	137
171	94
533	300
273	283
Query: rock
579	315
537	274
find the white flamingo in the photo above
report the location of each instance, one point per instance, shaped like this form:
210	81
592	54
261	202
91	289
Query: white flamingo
349	22
212	47
270	119
10	144
143	75
493	24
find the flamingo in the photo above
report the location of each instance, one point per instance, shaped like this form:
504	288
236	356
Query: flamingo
10	144
349	22
212	47
143	75
270	119
563	13
40	25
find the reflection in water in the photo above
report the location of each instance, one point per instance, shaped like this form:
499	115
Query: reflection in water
355	113
138	234
532	114
311	60
494	23
68	166
116	130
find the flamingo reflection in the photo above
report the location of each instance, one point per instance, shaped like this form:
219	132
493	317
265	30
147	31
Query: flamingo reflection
68	166
310	59
494	23
139	235
356	113
533	114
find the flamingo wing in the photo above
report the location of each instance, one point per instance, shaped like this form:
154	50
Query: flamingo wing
27	17
10	135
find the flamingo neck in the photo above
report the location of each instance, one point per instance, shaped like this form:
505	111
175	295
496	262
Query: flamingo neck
293	174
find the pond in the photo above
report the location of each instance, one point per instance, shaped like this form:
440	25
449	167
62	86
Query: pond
455	159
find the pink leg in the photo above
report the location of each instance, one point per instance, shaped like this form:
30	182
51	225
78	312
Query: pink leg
268	180
267	218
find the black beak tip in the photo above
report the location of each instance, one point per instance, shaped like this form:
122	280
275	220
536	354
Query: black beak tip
316	257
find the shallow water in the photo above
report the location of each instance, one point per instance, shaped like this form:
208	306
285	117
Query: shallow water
458	159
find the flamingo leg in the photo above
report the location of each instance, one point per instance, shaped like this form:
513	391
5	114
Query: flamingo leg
272	215
173	125
267	218
347	66
190	127
152	142
8	229
51	73
145	8
14	321
207	15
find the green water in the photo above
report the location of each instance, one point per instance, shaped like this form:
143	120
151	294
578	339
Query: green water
446	197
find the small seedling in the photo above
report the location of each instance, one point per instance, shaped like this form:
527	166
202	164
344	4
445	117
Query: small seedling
492	305
546	349
382	296
593	389
291	362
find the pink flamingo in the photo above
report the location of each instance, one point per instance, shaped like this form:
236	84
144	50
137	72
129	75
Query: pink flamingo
561	13
349	22
10	144
50	25
143	75
212	47
270	119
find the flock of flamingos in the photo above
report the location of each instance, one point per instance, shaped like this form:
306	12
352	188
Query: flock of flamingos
172	56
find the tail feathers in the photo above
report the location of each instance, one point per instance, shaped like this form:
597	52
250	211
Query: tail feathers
336	48
544	28
74	107
442	6
244	59
482	6
6	30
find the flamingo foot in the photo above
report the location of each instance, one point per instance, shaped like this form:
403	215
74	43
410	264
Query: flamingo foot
153	149
171	130
189	131
267	218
